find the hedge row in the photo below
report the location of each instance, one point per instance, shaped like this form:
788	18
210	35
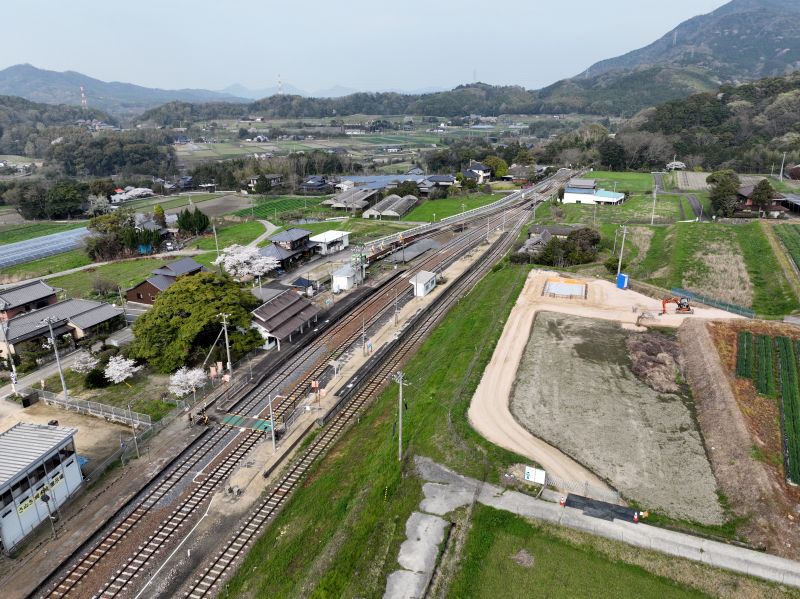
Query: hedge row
791	405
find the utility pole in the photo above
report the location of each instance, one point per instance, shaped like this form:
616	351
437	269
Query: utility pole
653	213
216	241
271	421
399	378
783	162
227	345
133	428
14	368
395	307
49	321
621	249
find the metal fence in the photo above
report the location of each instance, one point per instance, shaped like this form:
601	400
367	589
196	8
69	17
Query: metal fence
710	301
93	408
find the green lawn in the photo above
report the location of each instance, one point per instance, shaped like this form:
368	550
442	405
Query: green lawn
636	209
49	265
449	206
340	533
241	233
630	182
559	569
143	391
123	274
22	232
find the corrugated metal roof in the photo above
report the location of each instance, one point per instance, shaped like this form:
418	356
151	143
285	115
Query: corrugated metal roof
290	235
25	444
584	183
30	324
25	293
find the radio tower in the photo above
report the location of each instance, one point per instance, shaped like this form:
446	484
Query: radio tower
280	85
84	101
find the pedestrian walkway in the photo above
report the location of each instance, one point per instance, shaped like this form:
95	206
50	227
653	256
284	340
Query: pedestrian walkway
446	491
270	229
239	421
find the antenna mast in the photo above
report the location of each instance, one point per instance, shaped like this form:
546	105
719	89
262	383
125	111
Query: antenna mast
84	101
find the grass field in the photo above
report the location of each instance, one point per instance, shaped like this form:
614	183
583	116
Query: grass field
123	274
241	233
49	265
22	232
790	238
630	182
714	258
558	569
341	531
272	208
636	209
449	206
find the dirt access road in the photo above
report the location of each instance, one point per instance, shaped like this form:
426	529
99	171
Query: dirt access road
490	412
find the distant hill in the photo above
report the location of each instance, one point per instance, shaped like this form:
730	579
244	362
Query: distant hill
740	41
52	87
27	128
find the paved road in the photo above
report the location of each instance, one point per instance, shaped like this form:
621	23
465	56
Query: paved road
270	229
696	206
447	491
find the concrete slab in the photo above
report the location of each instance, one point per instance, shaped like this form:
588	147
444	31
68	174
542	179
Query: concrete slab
424	534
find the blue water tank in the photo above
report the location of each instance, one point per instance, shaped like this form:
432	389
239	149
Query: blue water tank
622	281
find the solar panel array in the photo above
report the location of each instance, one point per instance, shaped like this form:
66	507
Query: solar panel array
41	247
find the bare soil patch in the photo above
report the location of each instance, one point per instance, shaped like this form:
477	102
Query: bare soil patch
575	389
722	273
656	360
218	206
523	558
640	237
742	432
96	438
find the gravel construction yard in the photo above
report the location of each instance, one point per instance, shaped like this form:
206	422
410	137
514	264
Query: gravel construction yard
644	442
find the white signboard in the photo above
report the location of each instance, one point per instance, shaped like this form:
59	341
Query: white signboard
534	475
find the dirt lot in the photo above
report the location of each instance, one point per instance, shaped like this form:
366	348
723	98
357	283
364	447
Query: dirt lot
689	181
219	206
742	432
723	273
596	410
96	438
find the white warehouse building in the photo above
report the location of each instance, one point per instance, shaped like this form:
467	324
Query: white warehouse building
39	471
331	242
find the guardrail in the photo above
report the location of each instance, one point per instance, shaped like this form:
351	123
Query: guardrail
93	408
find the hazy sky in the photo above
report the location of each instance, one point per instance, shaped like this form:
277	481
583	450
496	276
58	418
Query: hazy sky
316	44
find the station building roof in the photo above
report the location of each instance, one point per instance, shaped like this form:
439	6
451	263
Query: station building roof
25	444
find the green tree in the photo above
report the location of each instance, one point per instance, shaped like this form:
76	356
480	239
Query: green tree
762	194
561	192
498	165
262	185
158	216
184	322
192	222
64	199
724	190
612	154
405	188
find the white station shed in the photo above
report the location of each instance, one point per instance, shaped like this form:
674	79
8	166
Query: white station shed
423	283
39	471
343	278
331	242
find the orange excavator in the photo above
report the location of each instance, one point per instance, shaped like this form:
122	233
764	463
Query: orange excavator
681	302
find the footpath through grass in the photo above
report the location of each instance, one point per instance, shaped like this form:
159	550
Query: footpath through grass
557	568
23	232
340	533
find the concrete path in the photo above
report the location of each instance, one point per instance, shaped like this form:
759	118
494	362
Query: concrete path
446	491
270	229
697	208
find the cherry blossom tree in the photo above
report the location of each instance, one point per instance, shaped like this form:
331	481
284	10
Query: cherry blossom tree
120	369
244	263
187	380
84	363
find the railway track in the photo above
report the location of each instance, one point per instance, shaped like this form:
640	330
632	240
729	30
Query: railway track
341	335
237	546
